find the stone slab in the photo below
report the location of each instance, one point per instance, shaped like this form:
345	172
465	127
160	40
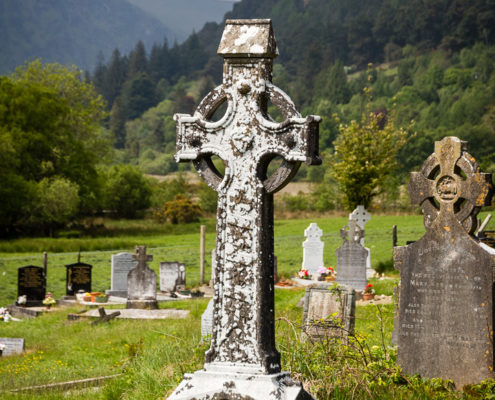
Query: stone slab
12	346
122	264
143	314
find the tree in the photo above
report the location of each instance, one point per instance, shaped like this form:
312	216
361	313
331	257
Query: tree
126	190
365	156
57	203
68	130
138	95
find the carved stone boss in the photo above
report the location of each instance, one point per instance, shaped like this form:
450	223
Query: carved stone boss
446	307
246	139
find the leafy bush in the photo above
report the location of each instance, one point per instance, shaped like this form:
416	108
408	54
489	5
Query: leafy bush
179	210
126	190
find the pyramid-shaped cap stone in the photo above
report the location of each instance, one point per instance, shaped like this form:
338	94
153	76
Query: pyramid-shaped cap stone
248	38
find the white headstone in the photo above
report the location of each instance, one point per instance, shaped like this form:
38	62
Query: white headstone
122	263
207	320
312	249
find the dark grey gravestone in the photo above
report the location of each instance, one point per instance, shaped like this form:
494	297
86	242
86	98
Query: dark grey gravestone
12	346
351	258
122	264
78	277
329	312
446	295
169	276
141	283
31	282
243	362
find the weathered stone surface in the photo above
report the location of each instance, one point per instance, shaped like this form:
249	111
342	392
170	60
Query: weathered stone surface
207	320
329	312
78	277
141	282
242	359
351	258
313	250
31	282
362	216
446	296
169	275
122	264
12	346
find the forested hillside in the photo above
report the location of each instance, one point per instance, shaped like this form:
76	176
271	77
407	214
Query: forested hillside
72	31
433	61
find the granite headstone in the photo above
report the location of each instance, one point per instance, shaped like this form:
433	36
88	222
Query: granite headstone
122	264
31	282
172	276
351	258
446	296
78	277
362	216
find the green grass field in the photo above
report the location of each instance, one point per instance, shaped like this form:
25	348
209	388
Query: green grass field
152	356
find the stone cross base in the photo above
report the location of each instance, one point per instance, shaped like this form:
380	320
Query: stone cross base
219	384
142	304
116	293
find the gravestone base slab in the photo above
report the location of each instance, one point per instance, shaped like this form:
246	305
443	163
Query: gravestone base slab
142	304
116	293
219	384
24	312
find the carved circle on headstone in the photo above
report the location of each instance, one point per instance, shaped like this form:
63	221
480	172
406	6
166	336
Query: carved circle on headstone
447	188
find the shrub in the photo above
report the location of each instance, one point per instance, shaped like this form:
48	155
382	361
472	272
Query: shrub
179	210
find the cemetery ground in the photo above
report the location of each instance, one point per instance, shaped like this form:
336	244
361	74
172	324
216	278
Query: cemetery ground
152	356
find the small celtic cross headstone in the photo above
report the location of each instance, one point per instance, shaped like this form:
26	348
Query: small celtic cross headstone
141	282
242	361
445	323
362	216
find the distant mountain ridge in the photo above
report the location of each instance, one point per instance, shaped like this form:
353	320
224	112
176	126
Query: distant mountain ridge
72	31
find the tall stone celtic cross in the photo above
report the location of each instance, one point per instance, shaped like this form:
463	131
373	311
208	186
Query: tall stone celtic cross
246	139
450	183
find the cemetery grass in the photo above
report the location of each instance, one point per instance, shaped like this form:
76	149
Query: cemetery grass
167	242
152	356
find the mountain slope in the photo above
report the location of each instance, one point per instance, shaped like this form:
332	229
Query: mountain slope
71	31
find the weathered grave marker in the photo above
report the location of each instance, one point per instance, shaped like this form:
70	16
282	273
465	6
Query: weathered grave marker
31	282
12	346
351	258
362	216
329	312
313	250
172	276
141	282
104	317
122	264
446	295
78	277
242	361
